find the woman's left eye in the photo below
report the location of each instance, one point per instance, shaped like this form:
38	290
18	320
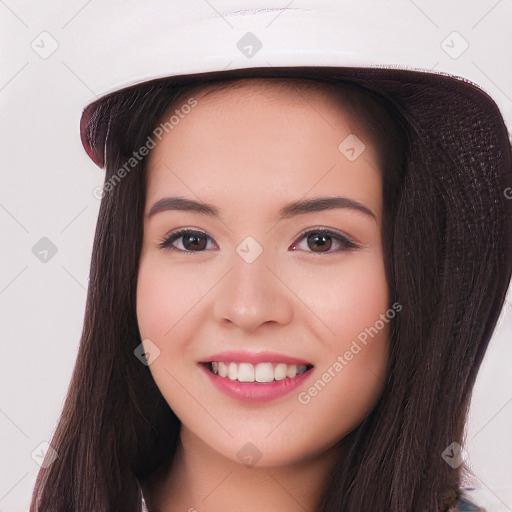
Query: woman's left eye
324	239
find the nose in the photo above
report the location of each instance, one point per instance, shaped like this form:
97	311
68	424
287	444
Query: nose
252	294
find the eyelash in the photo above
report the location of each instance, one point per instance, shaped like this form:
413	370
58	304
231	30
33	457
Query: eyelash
347	244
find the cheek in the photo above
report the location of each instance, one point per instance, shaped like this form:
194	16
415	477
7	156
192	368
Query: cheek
346	297
153	301
165	294
363	297
170	310
354	302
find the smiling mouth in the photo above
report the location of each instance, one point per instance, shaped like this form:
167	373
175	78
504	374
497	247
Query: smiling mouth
261	373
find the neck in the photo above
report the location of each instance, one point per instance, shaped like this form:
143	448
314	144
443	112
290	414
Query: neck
202	480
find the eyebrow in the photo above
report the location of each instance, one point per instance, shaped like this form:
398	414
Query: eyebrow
293	209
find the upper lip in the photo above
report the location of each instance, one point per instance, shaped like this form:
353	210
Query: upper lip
237	356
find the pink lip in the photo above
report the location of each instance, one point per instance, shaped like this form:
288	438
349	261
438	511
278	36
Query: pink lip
255	391
255	358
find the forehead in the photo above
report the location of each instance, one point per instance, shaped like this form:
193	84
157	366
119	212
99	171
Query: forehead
264	141
285	90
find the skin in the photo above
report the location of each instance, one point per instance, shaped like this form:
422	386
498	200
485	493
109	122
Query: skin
273	145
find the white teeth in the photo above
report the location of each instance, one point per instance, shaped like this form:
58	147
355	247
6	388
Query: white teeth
262	372
232	371
280	371
223	369
291	371
245	372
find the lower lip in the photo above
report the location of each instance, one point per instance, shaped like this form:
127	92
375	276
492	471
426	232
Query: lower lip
256	391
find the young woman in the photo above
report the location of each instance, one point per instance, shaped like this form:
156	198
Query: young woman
313	322
295	276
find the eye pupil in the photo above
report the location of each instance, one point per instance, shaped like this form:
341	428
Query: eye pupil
320	240
192	240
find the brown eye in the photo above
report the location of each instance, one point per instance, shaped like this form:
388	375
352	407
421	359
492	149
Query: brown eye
191	241
322	240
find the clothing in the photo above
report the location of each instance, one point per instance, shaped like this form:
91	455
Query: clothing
463	504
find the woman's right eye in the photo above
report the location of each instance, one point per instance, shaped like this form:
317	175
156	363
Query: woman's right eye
189	239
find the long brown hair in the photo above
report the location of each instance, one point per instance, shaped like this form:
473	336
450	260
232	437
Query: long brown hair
448	261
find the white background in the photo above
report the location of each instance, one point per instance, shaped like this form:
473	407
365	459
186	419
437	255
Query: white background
47	179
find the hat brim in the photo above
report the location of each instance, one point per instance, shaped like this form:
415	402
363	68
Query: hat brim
445	108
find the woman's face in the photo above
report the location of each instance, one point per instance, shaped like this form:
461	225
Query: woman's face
262	292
